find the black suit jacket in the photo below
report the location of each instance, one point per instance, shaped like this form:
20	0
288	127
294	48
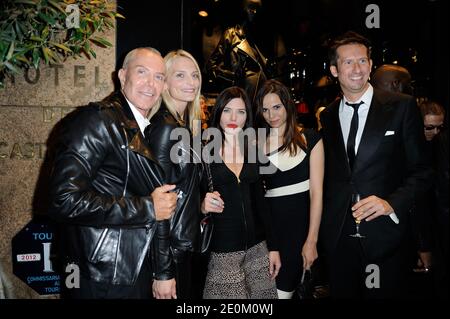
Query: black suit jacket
391	165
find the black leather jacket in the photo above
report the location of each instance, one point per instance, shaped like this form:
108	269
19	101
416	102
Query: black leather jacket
182	233
100	190
237	61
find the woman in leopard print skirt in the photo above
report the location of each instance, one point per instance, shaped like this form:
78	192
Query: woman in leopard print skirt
244	259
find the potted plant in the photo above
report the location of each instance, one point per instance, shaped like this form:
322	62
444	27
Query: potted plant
32	31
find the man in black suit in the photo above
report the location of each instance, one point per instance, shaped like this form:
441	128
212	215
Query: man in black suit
377	152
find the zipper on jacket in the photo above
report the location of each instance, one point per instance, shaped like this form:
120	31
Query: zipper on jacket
243	213
116	255
127	148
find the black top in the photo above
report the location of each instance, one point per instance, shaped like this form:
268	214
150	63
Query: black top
245	220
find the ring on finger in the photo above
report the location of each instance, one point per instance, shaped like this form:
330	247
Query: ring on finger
215	202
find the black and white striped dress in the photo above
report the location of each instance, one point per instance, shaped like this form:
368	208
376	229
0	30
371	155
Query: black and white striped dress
288	197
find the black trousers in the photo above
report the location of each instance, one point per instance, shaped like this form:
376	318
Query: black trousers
142	289
348	266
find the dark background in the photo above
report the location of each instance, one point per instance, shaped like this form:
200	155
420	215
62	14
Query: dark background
413	34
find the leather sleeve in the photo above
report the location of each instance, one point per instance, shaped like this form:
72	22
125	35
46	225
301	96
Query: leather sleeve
162	258
84	144
158	137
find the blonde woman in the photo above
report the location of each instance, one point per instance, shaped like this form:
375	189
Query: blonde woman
176	239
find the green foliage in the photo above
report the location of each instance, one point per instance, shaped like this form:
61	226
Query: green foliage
32	31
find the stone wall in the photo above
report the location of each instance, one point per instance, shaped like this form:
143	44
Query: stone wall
30	106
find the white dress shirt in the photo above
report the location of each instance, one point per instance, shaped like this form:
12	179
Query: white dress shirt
140	119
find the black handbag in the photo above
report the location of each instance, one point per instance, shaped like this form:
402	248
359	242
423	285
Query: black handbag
206	228
207	223
305	289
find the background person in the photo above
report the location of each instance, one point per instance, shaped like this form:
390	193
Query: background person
392	78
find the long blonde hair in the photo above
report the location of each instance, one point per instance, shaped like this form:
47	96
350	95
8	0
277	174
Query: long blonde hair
193	108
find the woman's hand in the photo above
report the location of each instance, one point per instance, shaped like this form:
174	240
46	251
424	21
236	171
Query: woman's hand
309	254
212	203
274	264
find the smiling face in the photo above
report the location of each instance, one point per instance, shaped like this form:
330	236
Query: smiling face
183	81
233	116
143	79
352	70
274	111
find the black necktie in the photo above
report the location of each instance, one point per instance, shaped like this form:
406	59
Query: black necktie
352	134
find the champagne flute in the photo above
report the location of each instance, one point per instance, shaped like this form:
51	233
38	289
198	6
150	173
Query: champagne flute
356	198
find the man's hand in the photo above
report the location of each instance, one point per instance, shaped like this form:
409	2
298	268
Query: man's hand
164	289
164	201
370	208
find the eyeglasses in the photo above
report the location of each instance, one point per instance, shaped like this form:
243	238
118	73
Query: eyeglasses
432	127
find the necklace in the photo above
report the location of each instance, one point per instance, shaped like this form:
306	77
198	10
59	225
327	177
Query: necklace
180	120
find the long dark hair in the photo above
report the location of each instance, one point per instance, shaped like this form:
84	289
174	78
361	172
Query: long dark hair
222	100
292	137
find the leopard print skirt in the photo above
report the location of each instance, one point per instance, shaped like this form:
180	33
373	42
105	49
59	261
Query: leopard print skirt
240	275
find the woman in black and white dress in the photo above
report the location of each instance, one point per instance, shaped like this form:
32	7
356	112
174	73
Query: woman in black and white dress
294	191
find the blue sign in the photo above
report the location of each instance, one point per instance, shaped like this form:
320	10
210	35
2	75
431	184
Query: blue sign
31	258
